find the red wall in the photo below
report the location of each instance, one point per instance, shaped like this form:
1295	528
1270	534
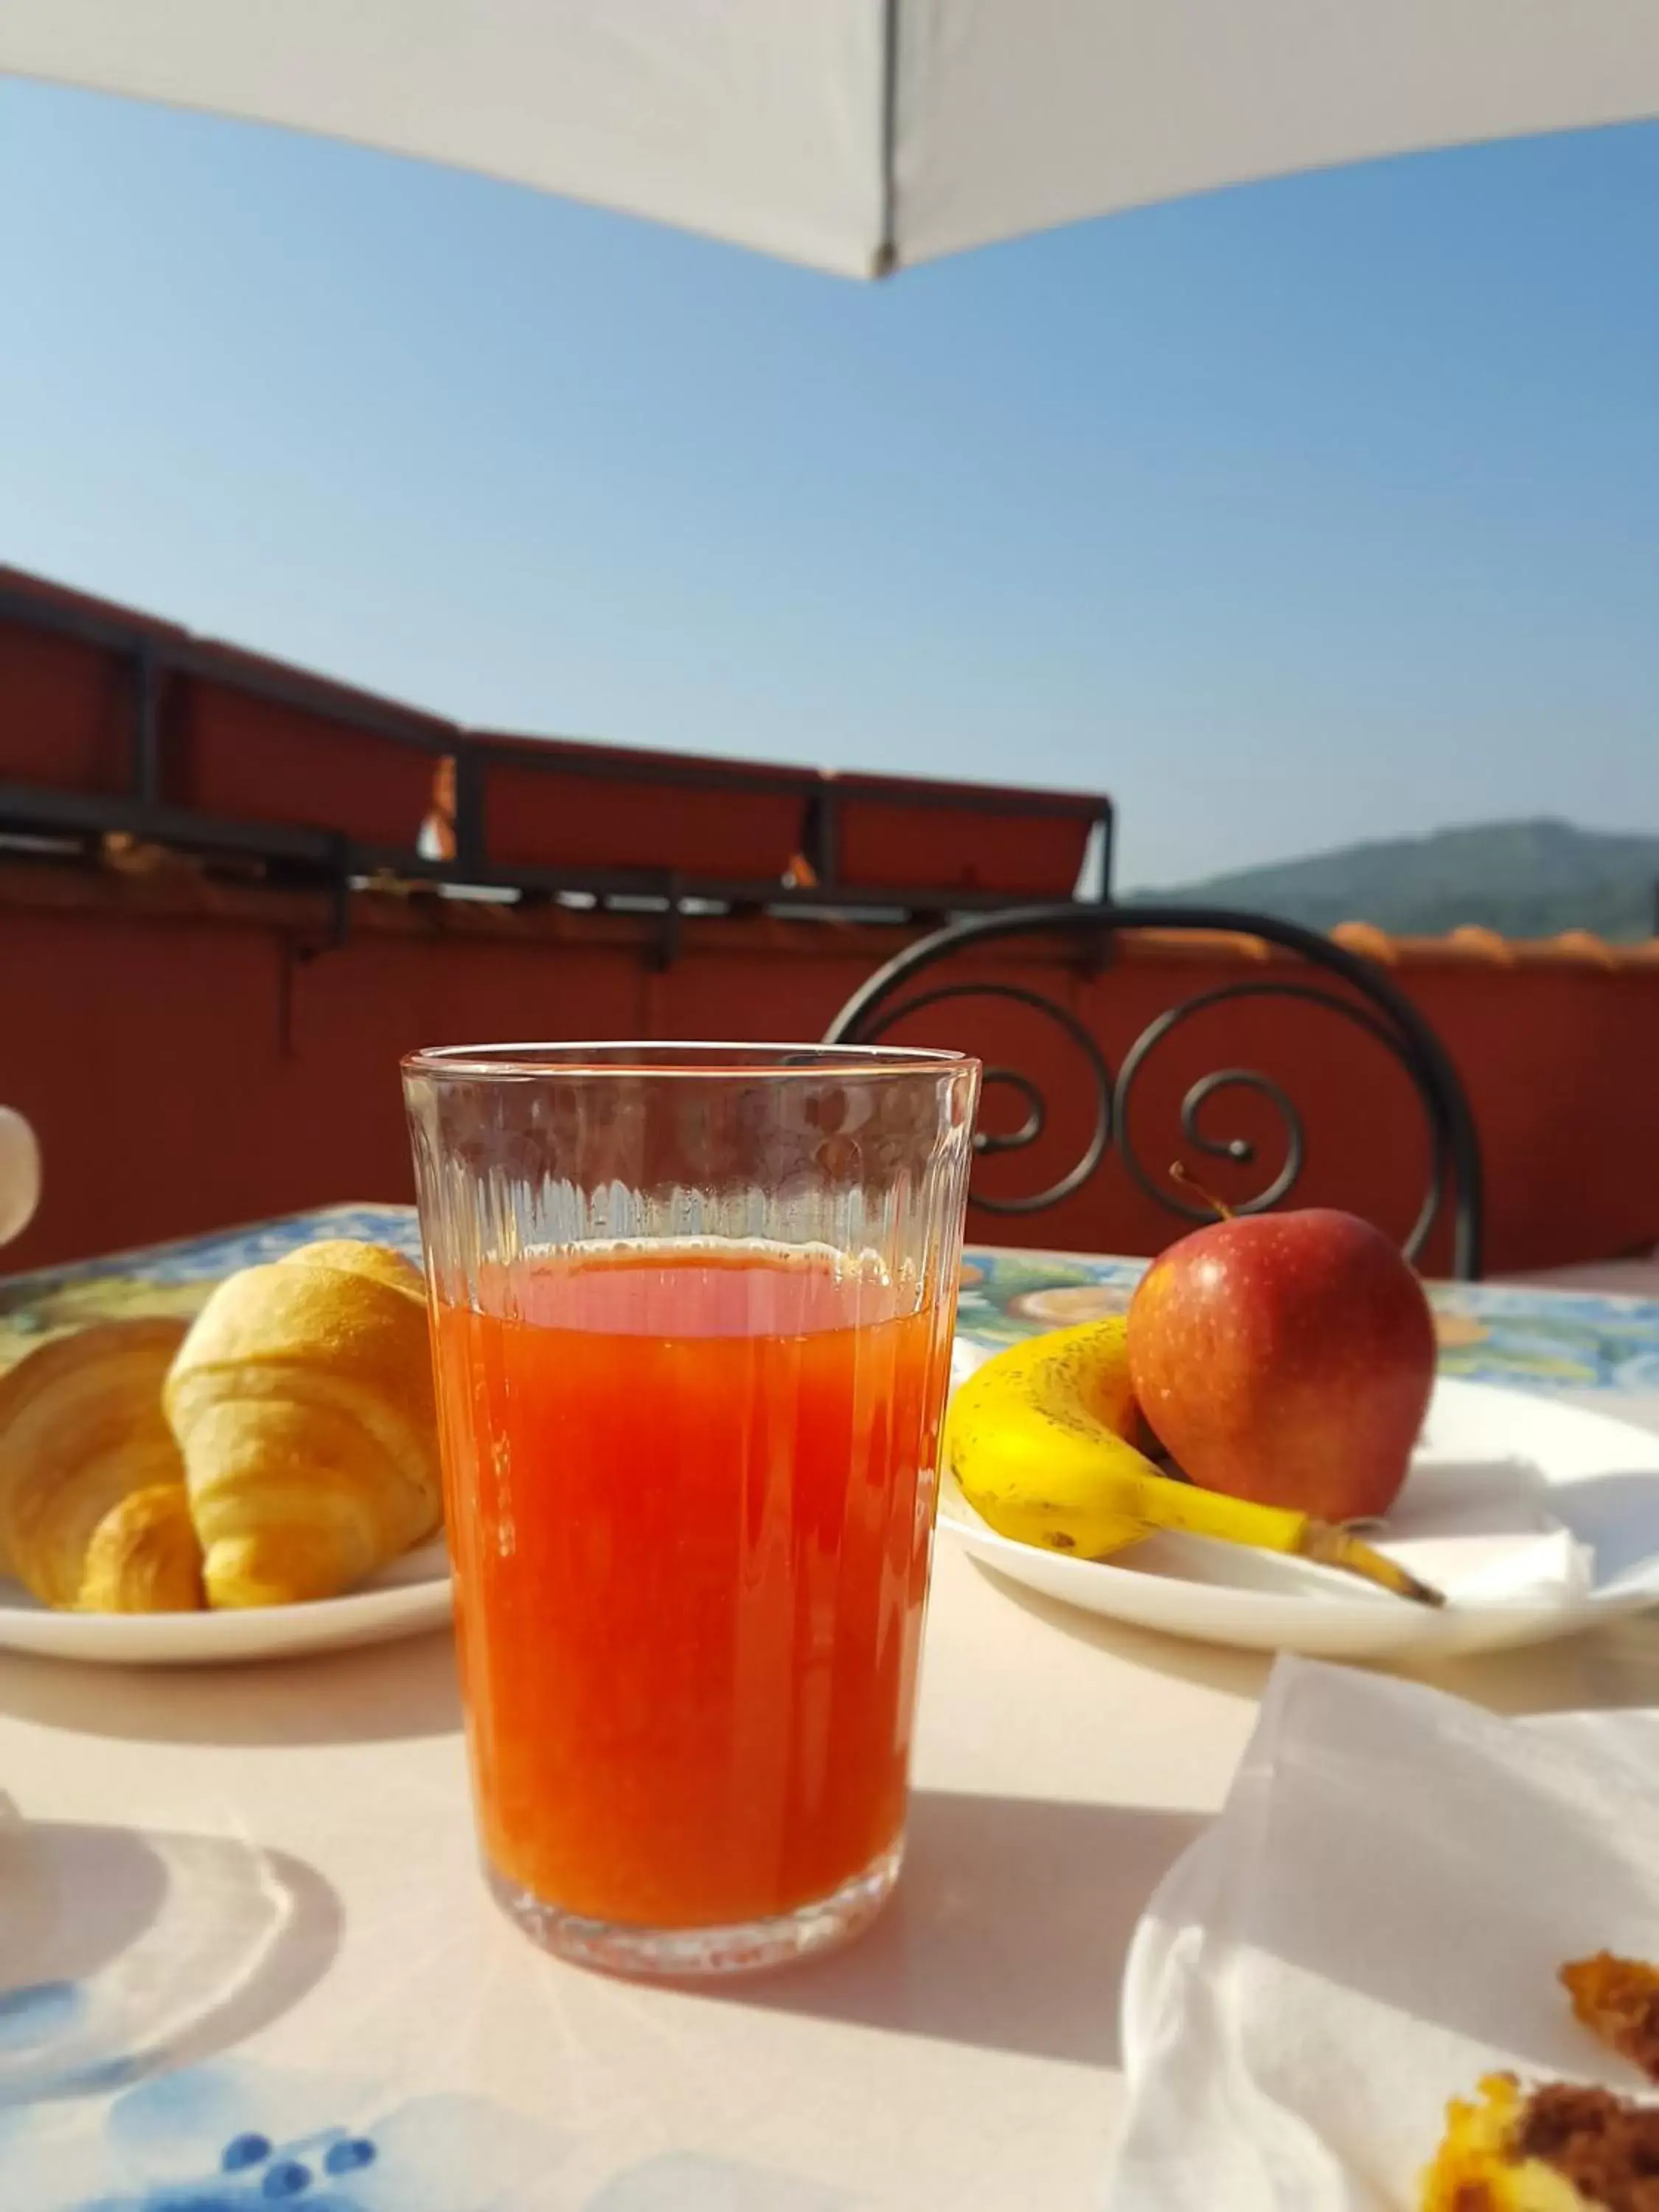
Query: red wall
186	1068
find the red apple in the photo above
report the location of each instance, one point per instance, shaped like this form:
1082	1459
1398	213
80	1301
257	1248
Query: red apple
1286	1358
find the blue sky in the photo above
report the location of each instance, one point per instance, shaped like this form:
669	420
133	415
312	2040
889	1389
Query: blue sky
1323	509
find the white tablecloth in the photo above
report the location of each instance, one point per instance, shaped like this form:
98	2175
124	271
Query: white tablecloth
264	1877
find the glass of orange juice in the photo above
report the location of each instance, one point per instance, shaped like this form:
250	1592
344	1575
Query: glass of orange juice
692	1308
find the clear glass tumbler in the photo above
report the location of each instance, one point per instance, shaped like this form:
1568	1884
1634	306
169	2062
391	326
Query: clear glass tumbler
692	1308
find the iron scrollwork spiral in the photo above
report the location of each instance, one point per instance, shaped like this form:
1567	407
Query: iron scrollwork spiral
1367	1001
1239	1150
1037	1106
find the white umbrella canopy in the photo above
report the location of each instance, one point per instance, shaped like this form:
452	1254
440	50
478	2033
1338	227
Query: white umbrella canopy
861	136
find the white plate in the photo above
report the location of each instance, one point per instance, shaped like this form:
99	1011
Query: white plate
410	1597
1600	1478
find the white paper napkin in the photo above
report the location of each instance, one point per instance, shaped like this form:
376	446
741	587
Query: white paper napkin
1484	1532
1376	1921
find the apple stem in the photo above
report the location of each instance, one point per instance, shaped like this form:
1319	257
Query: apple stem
1178	1174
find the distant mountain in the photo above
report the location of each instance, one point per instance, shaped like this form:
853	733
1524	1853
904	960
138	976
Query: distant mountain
1525	878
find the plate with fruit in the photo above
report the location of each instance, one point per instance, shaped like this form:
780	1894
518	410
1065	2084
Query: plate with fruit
1259	1454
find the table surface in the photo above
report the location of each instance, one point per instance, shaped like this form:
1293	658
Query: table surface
245	1956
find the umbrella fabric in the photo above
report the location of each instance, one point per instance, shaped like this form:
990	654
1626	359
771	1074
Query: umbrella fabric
860	135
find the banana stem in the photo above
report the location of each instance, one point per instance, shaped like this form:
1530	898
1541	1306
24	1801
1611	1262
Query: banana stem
1333	1546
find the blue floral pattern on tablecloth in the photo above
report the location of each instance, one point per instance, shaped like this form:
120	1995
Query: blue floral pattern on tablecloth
1525	1335
240	2138
1528	1335
235	2137
176	1279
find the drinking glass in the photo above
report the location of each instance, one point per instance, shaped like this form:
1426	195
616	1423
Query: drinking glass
692	1310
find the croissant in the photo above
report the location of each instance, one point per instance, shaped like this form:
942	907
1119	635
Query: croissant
145	1556
302	1403
82	1440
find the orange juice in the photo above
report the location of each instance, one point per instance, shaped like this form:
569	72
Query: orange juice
691	1499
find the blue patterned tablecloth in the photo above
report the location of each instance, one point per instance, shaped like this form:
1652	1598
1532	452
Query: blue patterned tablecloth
1528	1335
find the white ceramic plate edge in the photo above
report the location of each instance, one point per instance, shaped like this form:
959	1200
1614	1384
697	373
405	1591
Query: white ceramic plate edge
1324	1619
375	1615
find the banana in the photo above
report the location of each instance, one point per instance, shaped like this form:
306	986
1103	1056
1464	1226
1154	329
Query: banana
1044	1440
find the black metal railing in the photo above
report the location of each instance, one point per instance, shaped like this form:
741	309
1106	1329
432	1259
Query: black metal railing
1365	1000
139	804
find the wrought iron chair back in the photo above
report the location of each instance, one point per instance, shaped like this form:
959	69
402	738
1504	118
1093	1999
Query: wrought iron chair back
1370	1003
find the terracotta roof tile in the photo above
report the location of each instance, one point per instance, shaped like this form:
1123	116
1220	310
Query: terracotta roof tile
1364	937
1478	944
1579	944
1194	944
1471	945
